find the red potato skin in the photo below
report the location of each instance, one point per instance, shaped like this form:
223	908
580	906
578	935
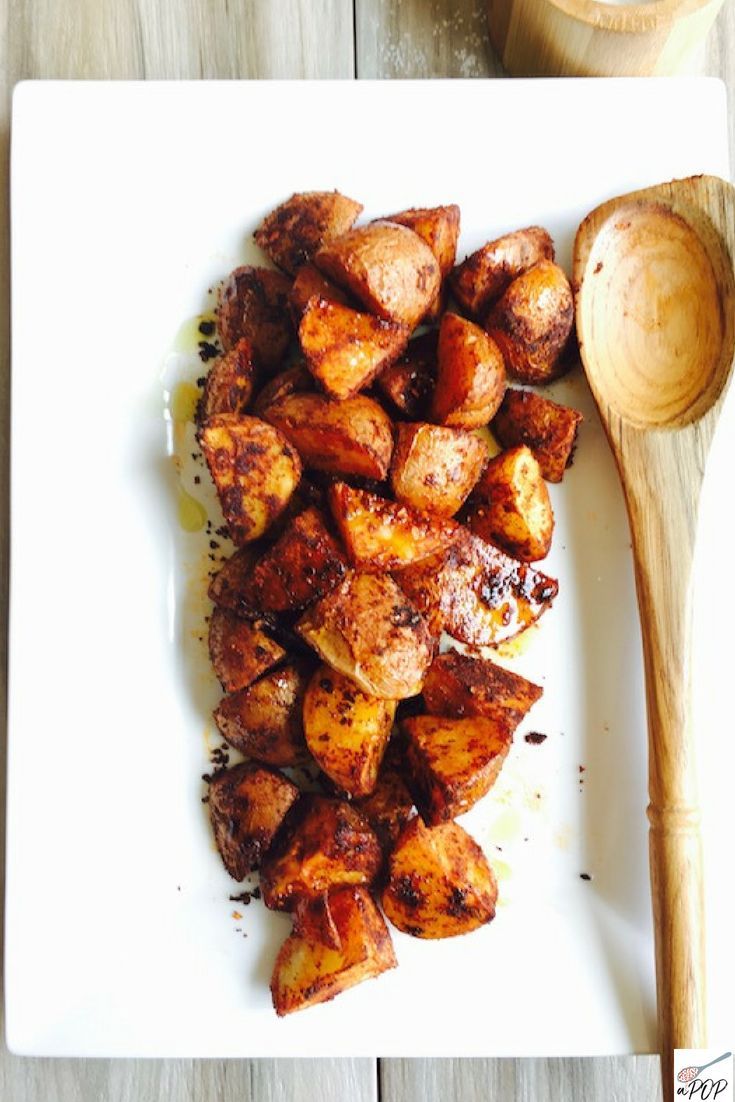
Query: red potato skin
296	229
434	468
470	380
483	277
439	228
547	428
230	382
253	303
532	324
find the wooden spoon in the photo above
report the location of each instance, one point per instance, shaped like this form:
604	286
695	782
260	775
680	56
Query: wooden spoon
655	311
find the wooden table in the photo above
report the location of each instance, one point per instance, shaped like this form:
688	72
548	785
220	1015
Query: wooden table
279	38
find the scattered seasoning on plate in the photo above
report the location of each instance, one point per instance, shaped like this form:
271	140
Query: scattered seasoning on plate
245	897
201	381
206	328
535	738
208	351
236	914
584	876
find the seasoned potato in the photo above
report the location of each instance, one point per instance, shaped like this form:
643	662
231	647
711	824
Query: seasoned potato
434	468
548	429
226	587
470	379
346	730
230	382
369	630
514	507
459	685
439	228
353	437
294	380
452	763
439	882
387	267
476	593
390	804
295	230
408	382
324	844
307	972
304	564
254	469
309	283
483	277
264	721
247	804
253	303
381	535
344	348
240	650
532	322
313	920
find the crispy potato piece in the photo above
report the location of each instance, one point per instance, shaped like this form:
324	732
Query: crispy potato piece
514	507
408	382
230	382
254	469
240	650
294	380
307	972
434	468
324	844
452	763
295	230
382	535
313	921
346	730
483	277
308	283
346	349
548	429
476	593
439	882
532	323
226	587
459	685
264	721
387	267
369	630
247	804
390	804
470	380
304	564
353	437
439	228
253	303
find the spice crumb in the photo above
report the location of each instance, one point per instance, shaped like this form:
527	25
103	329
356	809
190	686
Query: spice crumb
535	738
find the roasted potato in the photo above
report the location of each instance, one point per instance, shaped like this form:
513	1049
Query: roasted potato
353	437
247	804
324	844
313	921
408	382
294	380
307	972
240	650
514	508
477	593
548	429
226	587
382	535
459	685
532	323
295	230
369	630
387	267
230	382
346	730
439	882
483	277
254	469
452	763
253	303
310	282
345	349
390	804
264	721
439	228
470	380
434	468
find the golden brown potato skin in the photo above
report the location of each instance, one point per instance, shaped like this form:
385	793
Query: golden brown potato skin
548	429
253	303
514	509
439	882
294	380
439	228
459	685
264	721
368	629
409	382
532	323
230	382
310	282
247	804
470	381
434	468
483	277
296	229
353	437
392	272
240	651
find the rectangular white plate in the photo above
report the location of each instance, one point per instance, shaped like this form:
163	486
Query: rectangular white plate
129	201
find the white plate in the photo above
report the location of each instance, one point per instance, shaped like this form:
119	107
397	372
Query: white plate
129	201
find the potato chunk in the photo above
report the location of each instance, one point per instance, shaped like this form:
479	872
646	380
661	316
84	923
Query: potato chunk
230	382
439	882
408	382
296	229
532	323
548	429
253	303
459	685
324	844
514	507
308	283
345	349
439	228
470	377
240	651
484	276
452	763
353	437
307	972
247	804
369	630
392	272
264	721
227	586
254	469
434	468
390	804
294	380
313	920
